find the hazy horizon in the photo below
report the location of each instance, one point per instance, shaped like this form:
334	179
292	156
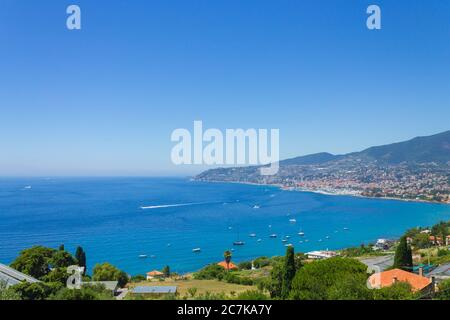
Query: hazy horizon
104	100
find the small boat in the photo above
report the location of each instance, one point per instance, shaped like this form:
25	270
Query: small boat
287	237
300	241
301	233
306	240
292	220
284	240
252	235
288	245
327	237
238	243
196	250
346	228
142	256
270	226
273	235
259	240
27	187
256	206
320	240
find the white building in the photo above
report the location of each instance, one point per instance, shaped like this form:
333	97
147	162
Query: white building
321	254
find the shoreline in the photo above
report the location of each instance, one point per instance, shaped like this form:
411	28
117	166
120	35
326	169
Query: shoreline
324	192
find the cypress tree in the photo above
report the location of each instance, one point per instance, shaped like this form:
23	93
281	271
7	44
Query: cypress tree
289	272
80	255
403	256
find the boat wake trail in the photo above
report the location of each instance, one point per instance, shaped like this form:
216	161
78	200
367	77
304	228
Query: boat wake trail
173	205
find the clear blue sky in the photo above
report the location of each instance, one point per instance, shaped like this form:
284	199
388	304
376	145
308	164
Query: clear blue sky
104	100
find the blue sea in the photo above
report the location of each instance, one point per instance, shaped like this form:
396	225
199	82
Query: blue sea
105	217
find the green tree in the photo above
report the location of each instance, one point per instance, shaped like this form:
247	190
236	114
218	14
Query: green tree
288	272
62	259
227	255
36	290
403	256
80	255
8	293
397	291
444	290
319	280
108	272
274	282
166	271
84	293
61	247
34	261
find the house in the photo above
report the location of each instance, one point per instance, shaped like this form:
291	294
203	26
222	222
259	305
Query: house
418	282
230	266
437	241
409	240
12	277
154	290
155	274
440	273
317	255
383	244
111	286
447	240
427	231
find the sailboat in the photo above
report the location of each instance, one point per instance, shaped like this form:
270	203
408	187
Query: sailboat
238	242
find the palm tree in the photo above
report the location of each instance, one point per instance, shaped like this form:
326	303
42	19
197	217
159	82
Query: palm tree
227	256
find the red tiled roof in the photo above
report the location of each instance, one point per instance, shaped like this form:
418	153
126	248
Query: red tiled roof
386	279
224	265
155	273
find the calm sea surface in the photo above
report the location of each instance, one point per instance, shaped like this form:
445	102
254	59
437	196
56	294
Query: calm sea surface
105	217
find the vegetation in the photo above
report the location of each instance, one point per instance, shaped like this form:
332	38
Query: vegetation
108	272
322	279
403	256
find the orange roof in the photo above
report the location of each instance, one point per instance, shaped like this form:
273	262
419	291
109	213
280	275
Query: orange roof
386	279
224	265
155	273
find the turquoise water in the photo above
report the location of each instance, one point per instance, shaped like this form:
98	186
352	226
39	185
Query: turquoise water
104	216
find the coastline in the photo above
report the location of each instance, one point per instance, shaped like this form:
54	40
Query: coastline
325	192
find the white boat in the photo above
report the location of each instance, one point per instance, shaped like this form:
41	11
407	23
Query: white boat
196	250
287	237
273	235
259	240
288	245
301	233
27	187
142	256
256	206
292	220
252	235
284	240
320	240
346	228
327	237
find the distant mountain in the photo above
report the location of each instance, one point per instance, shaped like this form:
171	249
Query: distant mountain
435	148
417	168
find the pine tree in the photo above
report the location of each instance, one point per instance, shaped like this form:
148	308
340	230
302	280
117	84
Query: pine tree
403	256
288	272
